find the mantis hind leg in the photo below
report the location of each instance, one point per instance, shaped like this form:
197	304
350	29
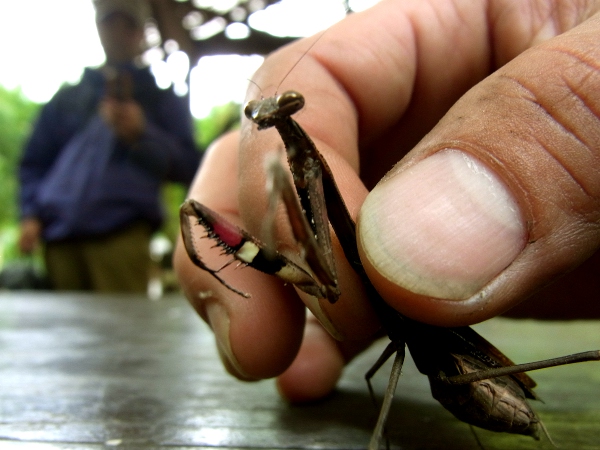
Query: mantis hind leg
400	350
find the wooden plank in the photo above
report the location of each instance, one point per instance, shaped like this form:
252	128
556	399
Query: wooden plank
91	371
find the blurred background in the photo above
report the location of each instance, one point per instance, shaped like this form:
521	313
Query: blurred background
206	50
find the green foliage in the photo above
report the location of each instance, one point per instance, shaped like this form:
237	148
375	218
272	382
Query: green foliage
16	120
221	119
173	195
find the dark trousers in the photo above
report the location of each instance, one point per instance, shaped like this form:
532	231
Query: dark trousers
116	262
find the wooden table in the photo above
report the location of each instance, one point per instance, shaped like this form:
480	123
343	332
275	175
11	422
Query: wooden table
92	372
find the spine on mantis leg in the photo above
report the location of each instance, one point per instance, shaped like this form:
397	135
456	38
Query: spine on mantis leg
244	248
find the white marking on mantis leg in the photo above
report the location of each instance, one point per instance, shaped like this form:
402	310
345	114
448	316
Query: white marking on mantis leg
247	252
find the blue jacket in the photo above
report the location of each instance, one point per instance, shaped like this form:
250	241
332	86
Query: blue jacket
130	186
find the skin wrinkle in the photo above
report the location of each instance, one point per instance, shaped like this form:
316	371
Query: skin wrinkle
547	17
544	22
534	99
547	149
441	17
575	88
498	20
572	131
578	57
459	13
366	131
552	16
396	63
556	154
579	12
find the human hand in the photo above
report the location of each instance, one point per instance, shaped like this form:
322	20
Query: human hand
30	233
523	204
125	117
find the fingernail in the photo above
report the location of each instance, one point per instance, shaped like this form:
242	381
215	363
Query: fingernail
219	322
443	228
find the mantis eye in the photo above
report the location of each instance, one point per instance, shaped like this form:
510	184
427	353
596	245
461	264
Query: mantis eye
251	108
290	102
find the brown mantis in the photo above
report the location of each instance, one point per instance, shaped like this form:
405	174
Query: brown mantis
467	374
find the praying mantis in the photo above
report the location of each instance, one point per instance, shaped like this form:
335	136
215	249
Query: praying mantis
468	375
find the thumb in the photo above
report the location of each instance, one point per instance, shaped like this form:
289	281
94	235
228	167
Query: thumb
501	197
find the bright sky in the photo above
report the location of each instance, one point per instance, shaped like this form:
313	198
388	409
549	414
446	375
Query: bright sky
45	43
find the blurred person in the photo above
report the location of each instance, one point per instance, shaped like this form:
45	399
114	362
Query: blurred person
92	170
